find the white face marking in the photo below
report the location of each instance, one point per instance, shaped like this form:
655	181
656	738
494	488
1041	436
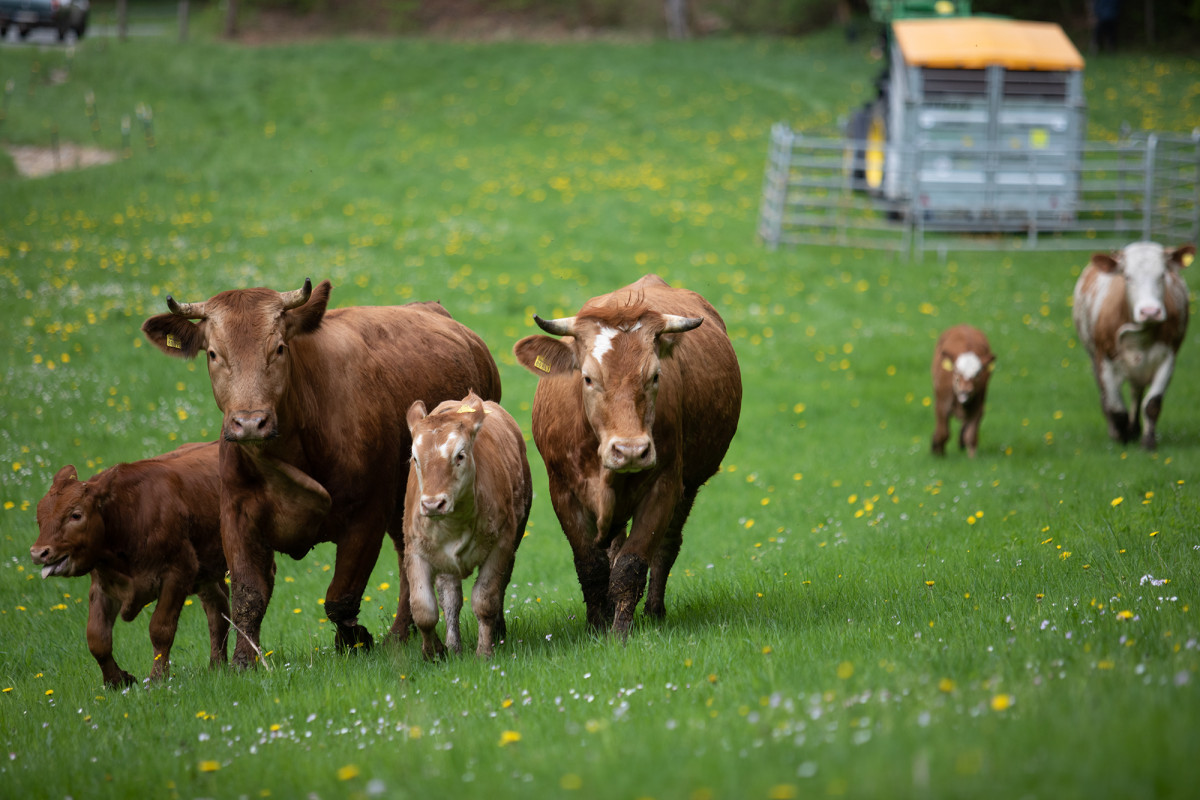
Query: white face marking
447	448
968	365
603	342
1144	268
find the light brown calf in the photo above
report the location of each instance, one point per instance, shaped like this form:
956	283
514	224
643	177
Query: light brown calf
468	498
962	366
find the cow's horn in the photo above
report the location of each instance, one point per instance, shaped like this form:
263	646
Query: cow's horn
677	324
188	310
297	297
563	326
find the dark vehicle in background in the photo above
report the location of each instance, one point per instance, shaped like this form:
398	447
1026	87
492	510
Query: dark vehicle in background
62	15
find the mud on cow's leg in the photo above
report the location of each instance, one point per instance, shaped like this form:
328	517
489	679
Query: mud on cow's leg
664	557
350	635
592	569
625	589
1153	409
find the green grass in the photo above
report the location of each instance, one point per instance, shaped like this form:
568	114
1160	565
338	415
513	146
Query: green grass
848	617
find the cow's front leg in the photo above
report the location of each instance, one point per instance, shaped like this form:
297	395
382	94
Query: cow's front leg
214	597
102	613
941	428
356	555
165	620
1111	401
665	555
424	604
591	561
1154	398
651	523
968	438
251	579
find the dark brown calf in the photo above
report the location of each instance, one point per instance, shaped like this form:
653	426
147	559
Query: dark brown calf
962	366
144	531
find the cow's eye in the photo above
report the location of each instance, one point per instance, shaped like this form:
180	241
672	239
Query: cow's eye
76	515
458	458
279	350
212	355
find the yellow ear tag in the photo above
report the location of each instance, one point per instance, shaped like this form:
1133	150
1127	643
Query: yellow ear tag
992	366
541	363
173	342
466	409
1187	259
947	365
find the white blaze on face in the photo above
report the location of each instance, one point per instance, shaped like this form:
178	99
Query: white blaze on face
968	365
603	342
450	446
1144	268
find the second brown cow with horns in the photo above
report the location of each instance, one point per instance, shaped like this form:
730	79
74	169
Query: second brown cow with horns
634	410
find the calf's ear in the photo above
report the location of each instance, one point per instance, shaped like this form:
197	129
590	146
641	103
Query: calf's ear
175	335
544	355
416	413
1183	256
66	475
1104	262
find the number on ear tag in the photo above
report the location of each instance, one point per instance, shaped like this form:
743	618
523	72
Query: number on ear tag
173	342
542	364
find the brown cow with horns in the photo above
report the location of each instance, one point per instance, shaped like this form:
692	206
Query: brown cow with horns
315	444
634	411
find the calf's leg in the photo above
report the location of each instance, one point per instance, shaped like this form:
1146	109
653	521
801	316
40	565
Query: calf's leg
214	597
424	604
165	621
487	599
450	597
102	613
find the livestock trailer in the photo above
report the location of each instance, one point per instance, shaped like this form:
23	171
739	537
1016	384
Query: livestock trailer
979	123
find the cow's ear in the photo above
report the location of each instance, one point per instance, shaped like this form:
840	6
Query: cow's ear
66	475
473	404
544	355
175	335
947	364
1182	257
1104	262
307	318
416	413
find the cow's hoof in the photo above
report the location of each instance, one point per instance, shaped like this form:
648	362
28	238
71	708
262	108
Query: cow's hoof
353	638
123	680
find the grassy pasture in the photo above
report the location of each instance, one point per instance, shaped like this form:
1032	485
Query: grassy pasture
849	616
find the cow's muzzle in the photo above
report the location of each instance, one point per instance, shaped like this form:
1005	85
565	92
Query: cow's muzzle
250	426
436	505
632	454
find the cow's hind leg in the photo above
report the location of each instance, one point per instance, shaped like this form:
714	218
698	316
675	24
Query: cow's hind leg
665	555
487	599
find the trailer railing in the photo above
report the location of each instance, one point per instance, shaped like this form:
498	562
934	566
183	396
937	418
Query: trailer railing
1144	186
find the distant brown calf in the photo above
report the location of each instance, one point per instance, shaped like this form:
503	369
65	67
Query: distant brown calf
962	366
468	498
144	531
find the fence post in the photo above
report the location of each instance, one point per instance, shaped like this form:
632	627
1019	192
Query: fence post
1148	188
775	184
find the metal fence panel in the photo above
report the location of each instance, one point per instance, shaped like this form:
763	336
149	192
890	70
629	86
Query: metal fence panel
1101	197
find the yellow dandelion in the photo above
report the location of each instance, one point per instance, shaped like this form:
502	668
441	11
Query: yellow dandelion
845	670
1116	501
946	685
571	782
348	772
1002	702
506	703
766	651
784	791
49	692
1126	614
929	583
209	766
509	737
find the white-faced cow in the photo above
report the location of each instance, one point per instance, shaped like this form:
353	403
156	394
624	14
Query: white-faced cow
1131	312
469	492
144	531
634	410
315	445
962	366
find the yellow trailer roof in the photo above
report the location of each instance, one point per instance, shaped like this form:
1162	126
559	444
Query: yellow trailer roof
978	42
